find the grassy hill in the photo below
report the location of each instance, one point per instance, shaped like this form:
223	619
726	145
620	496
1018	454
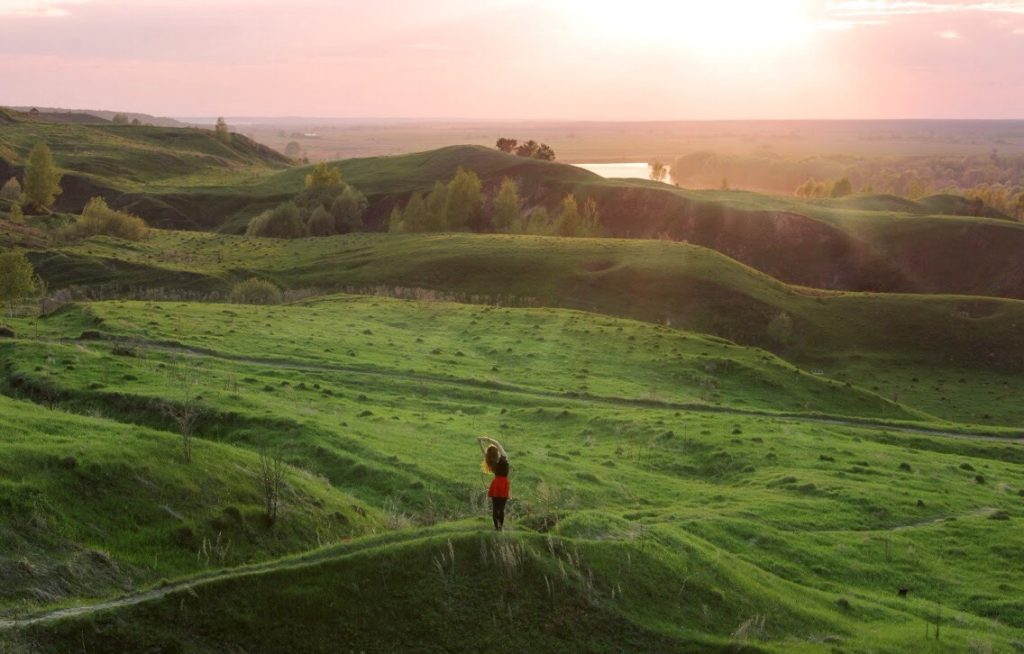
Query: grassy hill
141	168
671	492
670	283
186	178
92	506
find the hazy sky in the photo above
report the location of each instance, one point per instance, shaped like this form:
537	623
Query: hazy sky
573	59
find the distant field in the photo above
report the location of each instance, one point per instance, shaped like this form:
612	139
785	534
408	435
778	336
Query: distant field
645	141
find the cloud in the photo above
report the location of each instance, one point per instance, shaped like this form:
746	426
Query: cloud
887	8
949	35
37	8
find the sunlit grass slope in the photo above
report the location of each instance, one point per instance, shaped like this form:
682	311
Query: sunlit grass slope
652	509
673	284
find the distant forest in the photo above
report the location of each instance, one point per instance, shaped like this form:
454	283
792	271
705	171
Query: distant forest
993	179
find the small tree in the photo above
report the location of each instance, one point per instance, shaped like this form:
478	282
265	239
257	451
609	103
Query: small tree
538	221
186	411
528	149
544	153
725	184
464	199
293	150
323	177
42	179
437	217
348	209
221	130
11	190
321	223
507	211
569	222
506	145
283	221
120	119
395	223
255	291
658	171
842	188
136	122
271	476
16	214
17	278
415	217
591	218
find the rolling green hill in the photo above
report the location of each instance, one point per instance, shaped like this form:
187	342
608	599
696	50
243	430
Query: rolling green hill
186	178
676	284
671	492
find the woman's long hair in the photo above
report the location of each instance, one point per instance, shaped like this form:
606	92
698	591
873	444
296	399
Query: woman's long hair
491	457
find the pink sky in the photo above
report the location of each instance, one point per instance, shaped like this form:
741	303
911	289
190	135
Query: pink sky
557	59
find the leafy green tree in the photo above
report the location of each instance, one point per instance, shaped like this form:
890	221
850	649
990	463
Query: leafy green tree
11	190
221	130
464	200
591	218
842	188
42	179
395	223
569	222
17	277
415	217
348	209
506	144
507	211
323	177
538	221
293	150
16	215
321	223
437	201
283	221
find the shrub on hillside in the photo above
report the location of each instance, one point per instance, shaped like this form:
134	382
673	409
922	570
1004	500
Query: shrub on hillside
283	221
255	291
11	190
99	219
321	223
348	209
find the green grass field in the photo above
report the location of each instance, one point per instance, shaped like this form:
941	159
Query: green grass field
704	458
667	490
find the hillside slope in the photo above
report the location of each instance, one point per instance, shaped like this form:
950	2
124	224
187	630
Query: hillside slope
677	284
671	492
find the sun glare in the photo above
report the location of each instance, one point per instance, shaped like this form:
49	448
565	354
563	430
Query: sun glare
725	28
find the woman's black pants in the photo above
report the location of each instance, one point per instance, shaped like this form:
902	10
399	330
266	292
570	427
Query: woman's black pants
498	511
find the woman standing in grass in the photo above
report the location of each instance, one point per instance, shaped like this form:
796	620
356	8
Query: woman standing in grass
496	462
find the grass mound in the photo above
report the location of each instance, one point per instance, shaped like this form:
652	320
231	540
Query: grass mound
92	507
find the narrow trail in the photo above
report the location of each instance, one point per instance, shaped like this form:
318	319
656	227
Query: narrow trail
578	398
331	553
